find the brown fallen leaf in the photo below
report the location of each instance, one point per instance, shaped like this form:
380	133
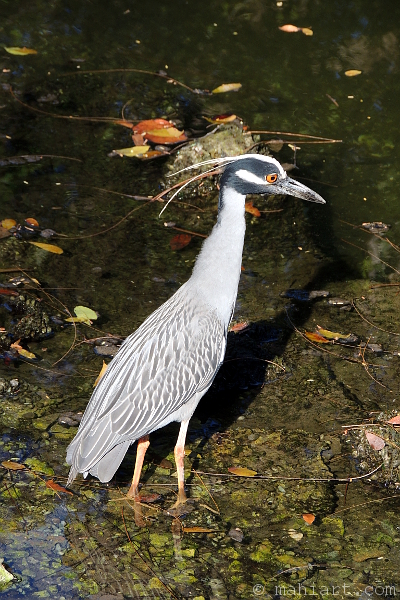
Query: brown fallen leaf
221	119
237	327
149	498
50	483
138	139
152	154
12	466
352	72
180	241
375	441
169	135
4	232
19	51
242	471
198	530
315	337
100	375
48	247
394	420
290	28
151	124
227	87
251	209
309	518
32	222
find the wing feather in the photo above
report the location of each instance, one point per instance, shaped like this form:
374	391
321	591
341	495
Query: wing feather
172	357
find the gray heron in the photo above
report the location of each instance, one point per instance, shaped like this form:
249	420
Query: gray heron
163	369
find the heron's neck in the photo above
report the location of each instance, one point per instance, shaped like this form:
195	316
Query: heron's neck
217	270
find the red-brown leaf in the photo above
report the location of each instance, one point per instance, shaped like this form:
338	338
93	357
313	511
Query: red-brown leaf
253	210
375	441
237	327
138	139
50	483
309	518
394	420
315	337
180	241
150	125
149	498
198	530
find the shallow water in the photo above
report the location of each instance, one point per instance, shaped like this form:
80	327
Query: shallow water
284	419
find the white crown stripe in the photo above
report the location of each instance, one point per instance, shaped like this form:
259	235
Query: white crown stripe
251	177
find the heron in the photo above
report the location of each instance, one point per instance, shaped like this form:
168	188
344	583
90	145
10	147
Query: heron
165	367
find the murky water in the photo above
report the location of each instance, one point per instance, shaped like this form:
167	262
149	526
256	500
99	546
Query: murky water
284	420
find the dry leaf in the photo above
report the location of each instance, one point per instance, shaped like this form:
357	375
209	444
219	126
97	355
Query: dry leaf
50	483
149	498
169	135
242	471
150	125
48	247
221	119
198	530
8	223
239	327
100	375
138	139
4	232
180	241
249	208
394	420
315	337
134	151
352	72
332	335
13	466
375	441
307	31
32	222
227	87
19	51
26	354
152	154
309	518
290	28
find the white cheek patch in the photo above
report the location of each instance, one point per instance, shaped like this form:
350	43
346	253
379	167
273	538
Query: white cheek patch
250	177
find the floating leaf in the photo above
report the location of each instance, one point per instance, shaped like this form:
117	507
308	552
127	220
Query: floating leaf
352	72
32	222
138	139
198	530
221	119
180	241
332	335
150	125
19	51
152	154
290	28
8	223
86	314
239	327
50	483
4	232
315	337
253	210
27	354
13	466
309	518
394	420
48	247
242	471
134	151
76	320
169	135
227	87
307	30
375	441
100	375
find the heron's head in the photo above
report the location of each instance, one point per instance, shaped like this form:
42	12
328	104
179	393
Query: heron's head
258	174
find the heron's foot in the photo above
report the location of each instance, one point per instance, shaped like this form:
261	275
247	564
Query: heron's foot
182	506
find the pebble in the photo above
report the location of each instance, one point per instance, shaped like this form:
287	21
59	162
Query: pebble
236	534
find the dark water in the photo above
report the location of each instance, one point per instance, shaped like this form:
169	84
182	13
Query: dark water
72	547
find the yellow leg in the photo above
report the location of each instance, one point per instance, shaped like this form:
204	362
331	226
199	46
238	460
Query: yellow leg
179	453
142	445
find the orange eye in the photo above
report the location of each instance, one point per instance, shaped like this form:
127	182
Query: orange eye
271	178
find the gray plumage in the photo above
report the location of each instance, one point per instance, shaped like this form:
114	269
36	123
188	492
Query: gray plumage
164	368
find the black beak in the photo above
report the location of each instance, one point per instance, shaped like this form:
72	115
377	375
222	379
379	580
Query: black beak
291	187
